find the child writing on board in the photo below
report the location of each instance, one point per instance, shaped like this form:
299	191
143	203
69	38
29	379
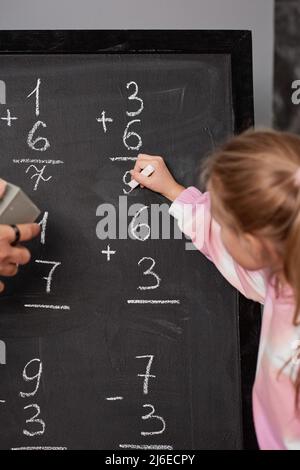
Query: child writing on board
248	224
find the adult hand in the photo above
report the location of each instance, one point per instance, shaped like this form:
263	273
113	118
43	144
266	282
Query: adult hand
12	256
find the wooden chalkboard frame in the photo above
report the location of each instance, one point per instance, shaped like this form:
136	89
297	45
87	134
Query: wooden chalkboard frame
237	43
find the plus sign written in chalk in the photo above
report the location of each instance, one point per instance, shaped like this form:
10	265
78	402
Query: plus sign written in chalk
108	252
104	120
9	118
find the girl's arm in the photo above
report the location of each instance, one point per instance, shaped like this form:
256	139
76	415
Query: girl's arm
191	208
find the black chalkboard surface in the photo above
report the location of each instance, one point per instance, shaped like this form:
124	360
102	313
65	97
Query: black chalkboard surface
131	341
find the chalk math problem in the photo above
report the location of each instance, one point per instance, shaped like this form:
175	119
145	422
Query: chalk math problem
117	335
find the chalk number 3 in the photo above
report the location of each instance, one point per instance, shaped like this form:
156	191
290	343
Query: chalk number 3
134	97
149	272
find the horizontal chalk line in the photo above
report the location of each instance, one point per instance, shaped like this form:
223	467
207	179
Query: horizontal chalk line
54	307
36	160
122	159
137	446
138	301
39	448
114	398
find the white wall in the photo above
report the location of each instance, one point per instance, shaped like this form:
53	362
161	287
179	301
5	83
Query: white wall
256	15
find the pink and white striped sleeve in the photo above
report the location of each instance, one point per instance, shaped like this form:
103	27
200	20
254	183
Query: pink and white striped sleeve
191	209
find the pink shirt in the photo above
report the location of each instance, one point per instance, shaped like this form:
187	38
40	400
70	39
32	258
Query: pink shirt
276	423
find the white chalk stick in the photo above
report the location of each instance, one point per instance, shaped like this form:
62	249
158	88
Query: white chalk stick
147	171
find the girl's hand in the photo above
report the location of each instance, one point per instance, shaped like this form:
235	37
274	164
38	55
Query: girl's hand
12	256
161	181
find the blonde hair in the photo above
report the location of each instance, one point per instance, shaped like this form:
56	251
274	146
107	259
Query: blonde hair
253	178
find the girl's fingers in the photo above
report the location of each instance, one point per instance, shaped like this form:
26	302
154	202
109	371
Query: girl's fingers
138	166
2	286
146	156
141	163
141	179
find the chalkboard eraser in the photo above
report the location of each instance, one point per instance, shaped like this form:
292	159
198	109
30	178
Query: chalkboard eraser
16	207
147	171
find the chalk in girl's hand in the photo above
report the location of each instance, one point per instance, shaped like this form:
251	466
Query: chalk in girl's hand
147	171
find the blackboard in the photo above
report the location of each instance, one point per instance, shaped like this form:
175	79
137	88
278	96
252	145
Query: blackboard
139	347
